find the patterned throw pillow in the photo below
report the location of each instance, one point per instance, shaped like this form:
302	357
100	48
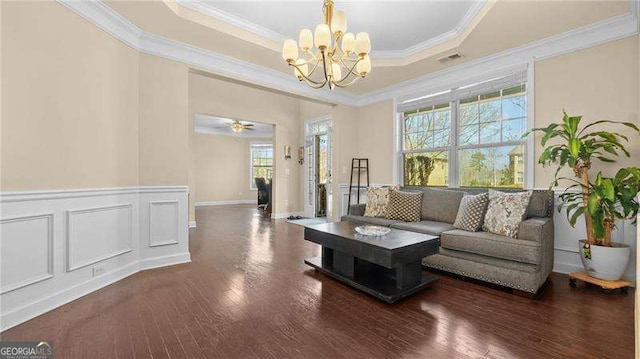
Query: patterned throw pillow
404	206
471	213
505	212
377	199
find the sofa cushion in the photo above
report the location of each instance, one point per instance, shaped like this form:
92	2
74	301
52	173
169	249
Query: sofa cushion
471	213
404	206
505	212
371	220
427	227
540	204
492	261
493	245
440	205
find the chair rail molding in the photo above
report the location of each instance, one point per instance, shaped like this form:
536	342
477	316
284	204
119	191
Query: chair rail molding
58	245
107	19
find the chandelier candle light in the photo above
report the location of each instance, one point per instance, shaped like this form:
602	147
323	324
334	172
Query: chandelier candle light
342	66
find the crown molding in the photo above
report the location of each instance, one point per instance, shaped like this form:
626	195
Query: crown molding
208	9
402	55
612	29
391	57
107	19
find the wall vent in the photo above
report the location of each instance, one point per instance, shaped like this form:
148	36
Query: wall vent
450	57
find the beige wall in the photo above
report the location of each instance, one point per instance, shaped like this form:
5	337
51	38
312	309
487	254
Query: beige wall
70	95
164	123
212	96
85	110
598	83
222	168
375	124
345	147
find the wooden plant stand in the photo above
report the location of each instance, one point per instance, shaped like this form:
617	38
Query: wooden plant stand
607	285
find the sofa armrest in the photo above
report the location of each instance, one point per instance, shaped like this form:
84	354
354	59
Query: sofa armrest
540	229
357	209
537	229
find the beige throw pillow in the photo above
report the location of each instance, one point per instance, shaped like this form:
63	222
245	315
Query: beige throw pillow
377	200
505	212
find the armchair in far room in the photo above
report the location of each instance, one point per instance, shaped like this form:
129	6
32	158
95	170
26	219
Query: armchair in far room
263	193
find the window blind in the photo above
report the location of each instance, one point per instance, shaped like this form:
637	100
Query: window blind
463	92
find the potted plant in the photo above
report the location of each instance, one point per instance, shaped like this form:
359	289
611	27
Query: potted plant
601	201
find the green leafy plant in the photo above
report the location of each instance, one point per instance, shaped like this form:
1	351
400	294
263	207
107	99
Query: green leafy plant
605	199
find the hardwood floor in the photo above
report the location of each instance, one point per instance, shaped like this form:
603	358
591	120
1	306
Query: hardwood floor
247	294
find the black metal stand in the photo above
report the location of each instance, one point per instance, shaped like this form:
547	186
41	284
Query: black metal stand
360	165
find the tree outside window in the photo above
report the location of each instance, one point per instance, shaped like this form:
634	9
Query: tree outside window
489	150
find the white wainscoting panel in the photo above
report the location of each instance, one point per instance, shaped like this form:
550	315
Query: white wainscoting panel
164	223
58	245
98	233
566	254
27	251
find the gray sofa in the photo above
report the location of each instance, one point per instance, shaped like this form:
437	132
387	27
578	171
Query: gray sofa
523	264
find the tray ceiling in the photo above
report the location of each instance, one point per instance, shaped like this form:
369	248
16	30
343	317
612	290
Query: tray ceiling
393	26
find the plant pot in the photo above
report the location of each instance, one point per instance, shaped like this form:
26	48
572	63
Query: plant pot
608	263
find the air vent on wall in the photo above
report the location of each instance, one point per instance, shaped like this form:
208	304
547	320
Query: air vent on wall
450	57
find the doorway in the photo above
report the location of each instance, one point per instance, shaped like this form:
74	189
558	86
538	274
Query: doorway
233	162
318	168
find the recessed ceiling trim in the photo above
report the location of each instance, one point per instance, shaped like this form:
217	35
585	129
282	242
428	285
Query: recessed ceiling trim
391	57
209	10
473	11
612	29
107	19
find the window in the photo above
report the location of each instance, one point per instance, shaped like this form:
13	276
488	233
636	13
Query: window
426	140
490	151
261	162
479	135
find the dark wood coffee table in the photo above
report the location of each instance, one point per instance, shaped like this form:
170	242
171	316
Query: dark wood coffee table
388	267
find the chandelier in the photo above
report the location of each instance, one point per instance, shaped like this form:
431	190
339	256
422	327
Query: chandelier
330	64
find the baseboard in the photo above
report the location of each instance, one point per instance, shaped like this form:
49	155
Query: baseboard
192	224
41	306
223	203
286	215
165	261
566	268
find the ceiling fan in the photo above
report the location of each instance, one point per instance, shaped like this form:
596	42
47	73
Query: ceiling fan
237	126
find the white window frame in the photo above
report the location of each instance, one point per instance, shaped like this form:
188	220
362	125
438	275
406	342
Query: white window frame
252	183
528	143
